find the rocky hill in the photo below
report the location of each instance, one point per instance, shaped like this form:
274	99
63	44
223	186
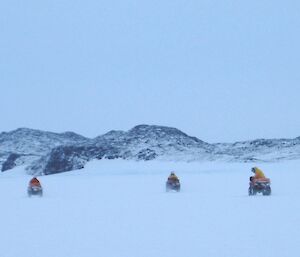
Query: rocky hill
260	150
23	146
47	153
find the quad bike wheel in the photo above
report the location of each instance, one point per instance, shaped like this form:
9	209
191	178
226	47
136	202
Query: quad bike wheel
267	191
252	191
31	192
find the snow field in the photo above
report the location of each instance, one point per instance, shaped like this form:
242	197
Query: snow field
121	209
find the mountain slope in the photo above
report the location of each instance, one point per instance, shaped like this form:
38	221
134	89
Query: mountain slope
143	142
260	150
23	146
48	153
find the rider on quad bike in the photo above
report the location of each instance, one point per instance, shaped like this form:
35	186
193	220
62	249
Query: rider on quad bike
258	173
173	183
34	187
259	183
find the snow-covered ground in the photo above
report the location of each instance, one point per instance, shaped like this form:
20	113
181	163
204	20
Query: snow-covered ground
121	209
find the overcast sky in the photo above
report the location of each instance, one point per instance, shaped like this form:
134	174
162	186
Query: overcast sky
222	70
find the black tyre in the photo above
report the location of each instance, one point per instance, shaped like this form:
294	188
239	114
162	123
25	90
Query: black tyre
250	191
267	191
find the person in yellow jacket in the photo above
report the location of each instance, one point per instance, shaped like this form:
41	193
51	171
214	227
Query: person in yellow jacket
173	177
258	173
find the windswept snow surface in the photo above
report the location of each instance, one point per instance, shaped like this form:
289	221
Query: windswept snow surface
120	209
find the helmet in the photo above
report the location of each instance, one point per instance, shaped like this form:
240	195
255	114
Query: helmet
253	169
172	173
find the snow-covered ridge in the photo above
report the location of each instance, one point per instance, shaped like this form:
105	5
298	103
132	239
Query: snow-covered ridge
23	145
47	152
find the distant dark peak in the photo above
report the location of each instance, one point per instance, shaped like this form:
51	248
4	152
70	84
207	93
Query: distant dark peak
73	135
22	133
113	133
260	140
145	129
198	140
26	131
265	142
22	130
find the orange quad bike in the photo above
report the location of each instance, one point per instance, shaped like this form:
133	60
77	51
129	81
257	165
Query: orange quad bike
172	185
262	185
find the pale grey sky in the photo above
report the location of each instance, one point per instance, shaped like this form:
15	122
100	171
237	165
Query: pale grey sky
220	70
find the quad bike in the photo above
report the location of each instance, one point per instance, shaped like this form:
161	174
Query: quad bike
172	185
259	186
35	190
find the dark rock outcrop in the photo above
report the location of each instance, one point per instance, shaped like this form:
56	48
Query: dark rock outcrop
10	162
66	158
146	154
